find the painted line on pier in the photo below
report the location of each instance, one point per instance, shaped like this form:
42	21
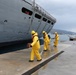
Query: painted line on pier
29	72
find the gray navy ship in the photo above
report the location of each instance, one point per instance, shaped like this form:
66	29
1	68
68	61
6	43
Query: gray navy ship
19	17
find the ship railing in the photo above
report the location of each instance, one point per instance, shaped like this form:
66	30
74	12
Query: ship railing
39	9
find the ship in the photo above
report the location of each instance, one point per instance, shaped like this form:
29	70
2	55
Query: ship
19	17
72	37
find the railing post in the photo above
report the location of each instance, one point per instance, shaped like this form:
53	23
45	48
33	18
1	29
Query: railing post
33	4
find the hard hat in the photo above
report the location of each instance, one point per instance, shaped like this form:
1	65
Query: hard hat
55	32
36	33
32	32
43	32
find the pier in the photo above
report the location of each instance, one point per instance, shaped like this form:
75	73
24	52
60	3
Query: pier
17	62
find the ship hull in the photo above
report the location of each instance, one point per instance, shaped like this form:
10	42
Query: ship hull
15	25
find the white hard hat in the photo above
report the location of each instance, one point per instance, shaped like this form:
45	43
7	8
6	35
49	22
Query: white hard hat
55	32
43	32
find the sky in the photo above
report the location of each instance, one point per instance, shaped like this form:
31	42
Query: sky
63	10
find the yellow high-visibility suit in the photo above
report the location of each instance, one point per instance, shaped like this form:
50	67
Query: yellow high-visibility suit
35	47
56	40
46	41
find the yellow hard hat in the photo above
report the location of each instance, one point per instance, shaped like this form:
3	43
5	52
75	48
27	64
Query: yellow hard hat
32	32
43	32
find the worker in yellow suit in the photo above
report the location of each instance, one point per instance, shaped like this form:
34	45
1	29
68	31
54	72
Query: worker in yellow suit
35	47
46	41
56	39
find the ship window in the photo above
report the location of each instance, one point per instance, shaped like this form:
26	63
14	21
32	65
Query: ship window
48	21
52	23
38	16
27	11
44	19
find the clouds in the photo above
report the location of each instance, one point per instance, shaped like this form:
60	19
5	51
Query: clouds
63	10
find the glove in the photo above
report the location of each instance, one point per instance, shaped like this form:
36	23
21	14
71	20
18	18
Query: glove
29	45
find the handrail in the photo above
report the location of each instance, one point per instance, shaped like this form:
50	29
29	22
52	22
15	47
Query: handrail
44	12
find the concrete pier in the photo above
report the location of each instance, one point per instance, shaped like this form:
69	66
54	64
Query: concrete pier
16	63
65	64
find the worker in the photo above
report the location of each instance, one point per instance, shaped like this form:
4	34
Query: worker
46	41
35	47
56	39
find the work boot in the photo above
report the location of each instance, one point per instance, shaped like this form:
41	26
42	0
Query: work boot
45	50
31	60
54	46
39	60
